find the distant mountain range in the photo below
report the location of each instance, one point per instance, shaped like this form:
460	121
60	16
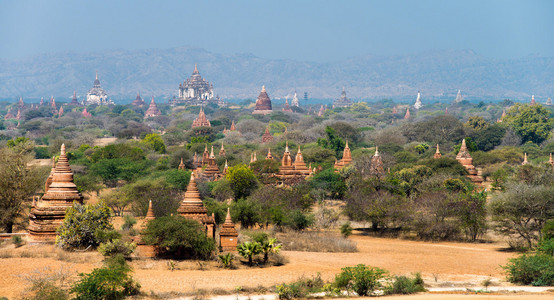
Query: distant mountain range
437	74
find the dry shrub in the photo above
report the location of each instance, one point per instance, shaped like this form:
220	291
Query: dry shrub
316	242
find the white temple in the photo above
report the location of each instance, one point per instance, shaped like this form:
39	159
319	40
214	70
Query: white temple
458	97
295	101
417	104
97	95
197	90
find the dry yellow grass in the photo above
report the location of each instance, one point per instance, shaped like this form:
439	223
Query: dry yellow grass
456	263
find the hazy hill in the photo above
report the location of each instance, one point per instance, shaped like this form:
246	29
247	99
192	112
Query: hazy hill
437	74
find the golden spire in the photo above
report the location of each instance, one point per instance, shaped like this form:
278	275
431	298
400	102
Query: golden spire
150	213
376	151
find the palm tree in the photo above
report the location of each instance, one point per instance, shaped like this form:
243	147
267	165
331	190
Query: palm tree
249	249
269	246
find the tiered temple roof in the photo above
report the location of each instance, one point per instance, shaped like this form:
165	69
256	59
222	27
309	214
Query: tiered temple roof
343	101
152	110
267	137
346	158
74	99
465	160
192	208
201	121
97	95
49	212
290	169
150	213
197	90
263	104
212	170
138	101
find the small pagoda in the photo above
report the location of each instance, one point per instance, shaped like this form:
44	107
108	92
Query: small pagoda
212	170
437	154
201	121
346	158
407	115
49	212
152	110
181	165
192	208
465	160
85	113
263	104
74	99
228	235
267	137
287	108
376	167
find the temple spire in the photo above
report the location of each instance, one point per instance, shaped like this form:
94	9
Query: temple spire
437	153
150	212
376	151
525	162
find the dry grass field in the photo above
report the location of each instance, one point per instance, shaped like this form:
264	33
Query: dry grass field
442	264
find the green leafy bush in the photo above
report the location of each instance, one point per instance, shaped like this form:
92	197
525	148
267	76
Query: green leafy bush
113	281
362	279
404	285
536	269
177	236
226	260
83	226
346	229
301	288
117	246
128	222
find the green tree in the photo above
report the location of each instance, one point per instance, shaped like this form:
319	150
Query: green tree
84	225
154	141
269	246
17	184
362	279
249	250
473	214
177	236
477	123
522	210
531	122
333	141
242	179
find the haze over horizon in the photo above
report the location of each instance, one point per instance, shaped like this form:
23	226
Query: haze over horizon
319	31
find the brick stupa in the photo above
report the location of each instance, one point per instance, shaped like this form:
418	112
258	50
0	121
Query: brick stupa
346	158
152	110
212	170
263	104
376	166
150	213
290	169
267	137
437	153
181	165
192	208
465	160
49	212
202	120
228	235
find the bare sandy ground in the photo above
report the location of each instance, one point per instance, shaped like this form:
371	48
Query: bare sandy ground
442	264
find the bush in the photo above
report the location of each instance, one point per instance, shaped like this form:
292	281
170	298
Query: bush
404	285
83	226
112	281
346	230
249	250
537	269
17	241
362	279
117	246
128	222
302	288
177	236
226	260
299	220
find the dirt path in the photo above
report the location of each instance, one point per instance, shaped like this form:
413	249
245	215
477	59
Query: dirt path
451	264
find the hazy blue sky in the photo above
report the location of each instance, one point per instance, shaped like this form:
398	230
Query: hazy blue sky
302	30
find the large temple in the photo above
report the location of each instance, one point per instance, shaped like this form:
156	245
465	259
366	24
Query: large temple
196	91
343	101
138	101
97	95
263	104
418	104
60	193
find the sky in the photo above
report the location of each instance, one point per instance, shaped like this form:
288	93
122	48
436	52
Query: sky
321	31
